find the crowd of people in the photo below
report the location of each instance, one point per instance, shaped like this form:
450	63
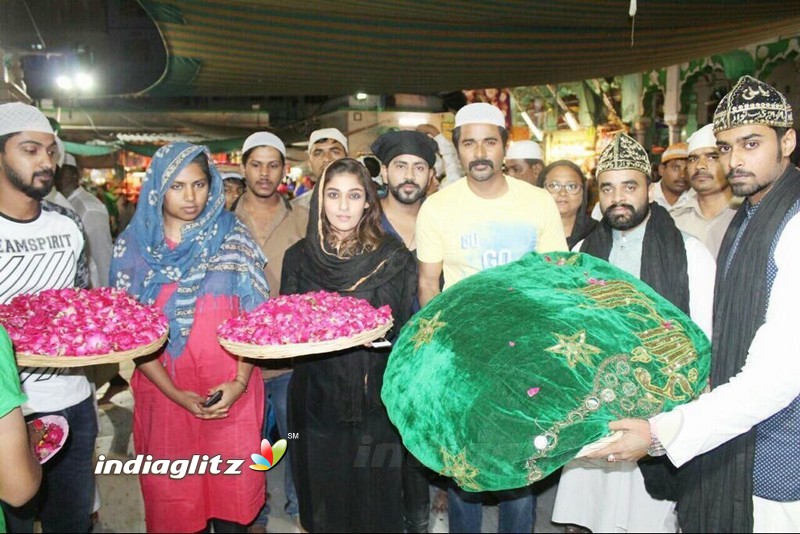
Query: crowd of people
714	236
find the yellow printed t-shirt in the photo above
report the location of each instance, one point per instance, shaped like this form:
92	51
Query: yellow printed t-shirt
468	233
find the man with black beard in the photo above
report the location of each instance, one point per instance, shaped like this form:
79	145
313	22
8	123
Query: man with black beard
407	166
641	239
407	160
42	247
737	444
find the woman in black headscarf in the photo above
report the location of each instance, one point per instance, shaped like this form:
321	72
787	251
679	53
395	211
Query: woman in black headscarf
565	181
347	459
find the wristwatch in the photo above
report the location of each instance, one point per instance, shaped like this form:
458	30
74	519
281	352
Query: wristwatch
656	448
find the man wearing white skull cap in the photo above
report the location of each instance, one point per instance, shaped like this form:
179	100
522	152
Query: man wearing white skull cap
42	247
524	161
485	220
708	214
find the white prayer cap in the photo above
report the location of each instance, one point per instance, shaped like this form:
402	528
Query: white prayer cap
524	150
69	159
62	151
703	138
327	133
233	175
264	139
480	113
18	117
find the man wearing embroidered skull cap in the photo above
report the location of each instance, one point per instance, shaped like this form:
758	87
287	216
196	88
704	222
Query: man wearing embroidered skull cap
737	444
28	155
707	214
485	220
524	161
641	239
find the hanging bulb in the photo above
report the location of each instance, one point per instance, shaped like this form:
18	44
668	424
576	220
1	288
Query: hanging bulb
632	15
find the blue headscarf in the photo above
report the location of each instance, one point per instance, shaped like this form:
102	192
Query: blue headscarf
216	255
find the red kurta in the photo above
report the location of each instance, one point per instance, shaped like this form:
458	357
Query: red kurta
165	430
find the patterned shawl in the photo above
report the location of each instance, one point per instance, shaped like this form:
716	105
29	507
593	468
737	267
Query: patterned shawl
216	255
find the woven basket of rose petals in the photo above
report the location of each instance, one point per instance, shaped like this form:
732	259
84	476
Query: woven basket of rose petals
78	327
297	325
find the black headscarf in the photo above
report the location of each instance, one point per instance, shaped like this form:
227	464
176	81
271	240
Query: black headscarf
359	272
385	275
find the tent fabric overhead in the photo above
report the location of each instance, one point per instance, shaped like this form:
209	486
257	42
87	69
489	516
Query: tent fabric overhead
316	47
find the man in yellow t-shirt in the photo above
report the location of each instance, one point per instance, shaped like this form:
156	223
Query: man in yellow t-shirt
486	220
483	221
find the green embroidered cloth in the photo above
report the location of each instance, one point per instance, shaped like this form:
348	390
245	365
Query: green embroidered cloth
504	377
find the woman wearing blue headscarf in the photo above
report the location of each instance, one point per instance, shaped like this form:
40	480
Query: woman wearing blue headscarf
185	254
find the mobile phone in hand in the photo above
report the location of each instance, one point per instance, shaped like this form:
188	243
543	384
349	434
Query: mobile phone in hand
213	399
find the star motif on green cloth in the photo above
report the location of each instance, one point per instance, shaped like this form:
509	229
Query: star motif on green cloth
457	467
427	329
574	348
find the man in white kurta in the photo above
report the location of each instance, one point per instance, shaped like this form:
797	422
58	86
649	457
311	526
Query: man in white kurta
752	125
597	494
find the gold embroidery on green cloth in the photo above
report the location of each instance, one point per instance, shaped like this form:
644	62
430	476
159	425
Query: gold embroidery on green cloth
673	349
457	467
618	380
616	293
427	329
574	348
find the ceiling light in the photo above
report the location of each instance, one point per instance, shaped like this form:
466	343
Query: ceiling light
84	81
64	82
361	96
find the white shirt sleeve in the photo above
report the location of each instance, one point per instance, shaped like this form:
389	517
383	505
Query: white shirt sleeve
767	382
702	273
98	233
452	165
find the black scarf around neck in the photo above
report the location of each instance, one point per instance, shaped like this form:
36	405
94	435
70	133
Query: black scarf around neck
717	487
664	266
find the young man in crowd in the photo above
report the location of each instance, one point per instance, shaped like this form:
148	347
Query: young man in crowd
324	146
707	214
640	238
276	224
407	160
485	220
28	154
524	161
737	444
